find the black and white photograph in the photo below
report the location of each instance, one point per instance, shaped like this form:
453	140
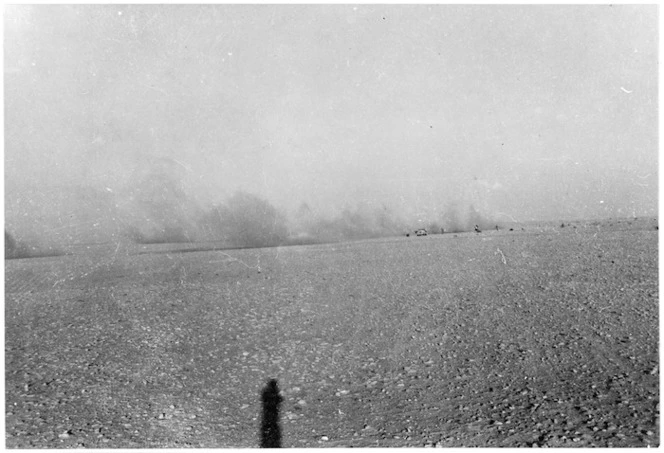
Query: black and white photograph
262	225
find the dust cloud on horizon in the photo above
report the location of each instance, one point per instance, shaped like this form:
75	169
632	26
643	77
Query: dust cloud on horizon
161	213
261	125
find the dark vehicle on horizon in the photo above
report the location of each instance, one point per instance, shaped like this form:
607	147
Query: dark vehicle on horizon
421	232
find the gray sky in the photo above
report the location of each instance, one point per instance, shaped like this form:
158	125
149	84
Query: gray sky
533	112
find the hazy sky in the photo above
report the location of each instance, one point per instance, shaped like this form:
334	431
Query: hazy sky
533	112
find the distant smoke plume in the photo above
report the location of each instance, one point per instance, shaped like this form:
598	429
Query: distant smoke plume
157	234
451	219
245	220
17	249
455	220
10	246
475	218
435	228
158	210
351	224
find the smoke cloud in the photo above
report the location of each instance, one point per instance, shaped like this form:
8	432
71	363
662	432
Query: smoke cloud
140	122
360	222
15	249
457	220
158	209
245	220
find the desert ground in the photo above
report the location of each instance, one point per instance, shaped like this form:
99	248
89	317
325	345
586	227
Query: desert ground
541	336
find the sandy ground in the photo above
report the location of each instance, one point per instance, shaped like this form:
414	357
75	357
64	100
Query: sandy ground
545	336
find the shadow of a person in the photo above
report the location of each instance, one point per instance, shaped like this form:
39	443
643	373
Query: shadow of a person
270	430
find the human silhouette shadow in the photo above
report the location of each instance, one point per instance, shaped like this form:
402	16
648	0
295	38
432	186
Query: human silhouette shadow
270	430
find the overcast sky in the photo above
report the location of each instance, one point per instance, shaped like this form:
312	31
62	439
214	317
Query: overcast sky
525	112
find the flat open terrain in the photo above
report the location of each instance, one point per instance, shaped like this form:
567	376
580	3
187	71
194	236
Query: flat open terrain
545	336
